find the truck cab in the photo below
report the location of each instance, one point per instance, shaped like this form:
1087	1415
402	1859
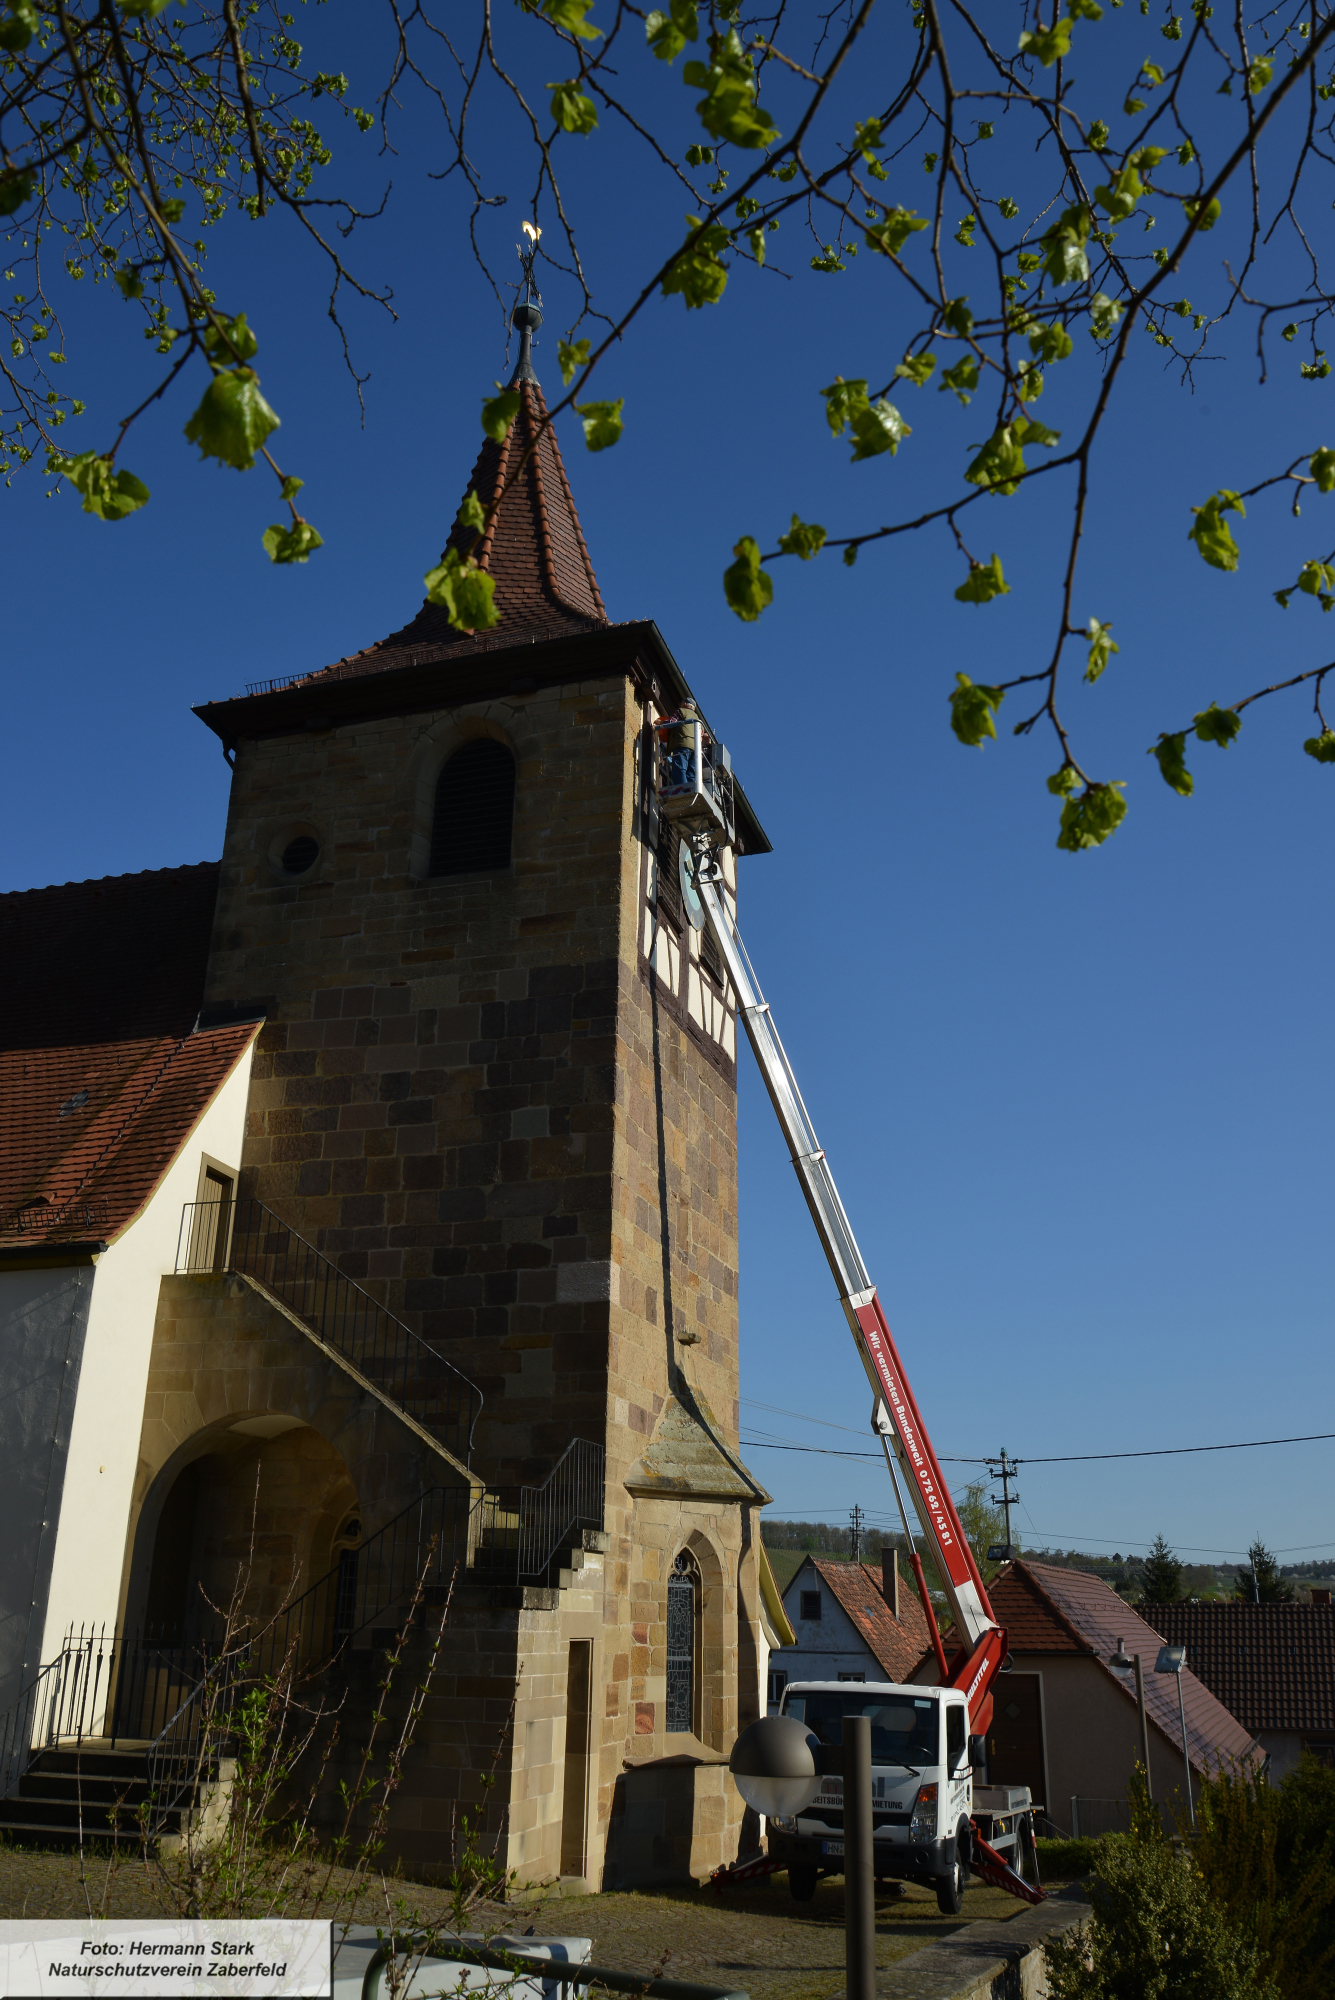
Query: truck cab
923	1804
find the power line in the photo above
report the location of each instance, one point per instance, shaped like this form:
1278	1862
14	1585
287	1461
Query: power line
1066	1458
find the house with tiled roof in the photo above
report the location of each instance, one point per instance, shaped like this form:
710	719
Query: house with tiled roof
1066	1722
372	1189
851	1622
116	1111
1271	1665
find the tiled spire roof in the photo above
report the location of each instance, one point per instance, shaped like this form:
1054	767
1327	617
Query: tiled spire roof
535	550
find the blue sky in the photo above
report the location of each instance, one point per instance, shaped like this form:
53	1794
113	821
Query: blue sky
1077	1105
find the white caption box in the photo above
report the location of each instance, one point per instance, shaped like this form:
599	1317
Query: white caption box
278	1958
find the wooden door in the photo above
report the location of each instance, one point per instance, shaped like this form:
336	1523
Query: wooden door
1015	1740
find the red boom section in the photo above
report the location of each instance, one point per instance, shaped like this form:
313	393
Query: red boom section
936	1507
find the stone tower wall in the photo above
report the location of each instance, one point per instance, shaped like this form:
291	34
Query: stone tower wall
493	1101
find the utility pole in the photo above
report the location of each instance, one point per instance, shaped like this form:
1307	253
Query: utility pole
1004	1468
855	1521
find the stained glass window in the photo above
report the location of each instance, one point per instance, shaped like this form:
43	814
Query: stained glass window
682	1586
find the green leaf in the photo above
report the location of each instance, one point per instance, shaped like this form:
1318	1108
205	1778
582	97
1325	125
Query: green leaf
16	187
1121	197
150	8
874	427
291	486
108	494
572	110
957	318
893	231
850	555
804	538
231	340
700	156
1153	72
472	514
1050	45
1009	209
1028	430
572	355
916	368
984	582
1000	463
1322	747
1259	73
1322	468
1088	820
1050	343
729	109
19	27
667	34
962	378
602	423
699	273
1102	646
1098	136
292	544
1211	533
465	592
964	234
1217	725
1063	782
1066	261
1086	10
1316	578
498	413
1210	216
972	707
569	15
1104	314
747	586
1171	753
233	419
1315	371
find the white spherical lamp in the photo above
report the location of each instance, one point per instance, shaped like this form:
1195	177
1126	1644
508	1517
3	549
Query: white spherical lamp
773	1766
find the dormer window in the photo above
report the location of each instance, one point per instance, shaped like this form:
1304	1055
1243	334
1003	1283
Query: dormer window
473	821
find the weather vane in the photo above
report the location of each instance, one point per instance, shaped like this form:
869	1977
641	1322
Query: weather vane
527	253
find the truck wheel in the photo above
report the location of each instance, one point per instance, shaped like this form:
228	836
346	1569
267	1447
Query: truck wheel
802	1884
950	1888
1026	1854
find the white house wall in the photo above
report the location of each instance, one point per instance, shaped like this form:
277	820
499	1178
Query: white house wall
43	1321
826	1647
94	1507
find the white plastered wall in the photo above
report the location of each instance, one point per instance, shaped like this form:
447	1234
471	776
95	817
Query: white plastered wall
94	1508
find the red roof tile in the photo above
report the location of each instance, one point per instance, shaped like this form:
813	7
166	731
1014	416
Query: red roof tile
101	1077
897	1643
1099	1619
1272	1665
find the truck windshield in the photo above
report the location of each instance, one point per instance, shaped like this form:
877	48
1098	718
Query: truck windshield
904	1729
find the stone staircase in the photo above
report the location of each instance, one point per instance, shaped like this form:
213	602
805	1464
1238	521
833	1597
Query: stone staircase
97	1790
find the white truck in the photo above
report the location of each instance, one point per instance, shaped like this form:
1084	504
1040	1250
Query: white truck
926	1808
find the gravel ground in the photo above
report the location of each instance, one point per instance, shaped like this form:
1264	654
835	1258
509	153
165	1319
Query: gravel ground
755	1938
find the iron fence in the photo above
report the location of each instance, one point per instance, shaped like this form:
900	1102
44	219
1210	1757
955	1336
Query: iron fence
251	1239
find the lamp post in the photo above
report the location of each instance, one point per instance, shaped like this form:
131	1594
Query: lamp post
775	1771
1171	1660
1121	1660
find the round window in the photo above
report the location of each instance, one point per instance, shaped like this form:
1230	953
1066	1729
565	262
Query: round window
300	854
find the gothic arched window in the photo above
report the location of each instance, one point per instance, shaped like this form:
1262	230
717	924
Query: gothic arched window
474	810
683	1622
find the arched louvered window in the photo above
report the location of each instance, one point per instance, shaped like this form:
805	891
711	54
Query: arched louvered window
474	812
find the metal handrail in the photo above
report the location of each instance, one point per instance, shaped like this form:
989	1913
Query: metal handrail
523	1529
251	1240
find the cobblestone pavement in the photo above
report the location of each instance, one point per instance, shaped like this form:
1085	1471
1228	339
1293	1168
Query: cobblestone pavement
756	1939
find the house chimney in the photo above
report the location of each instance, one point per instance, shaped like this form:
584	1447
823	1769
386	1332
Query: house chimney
890	1580
1320	1597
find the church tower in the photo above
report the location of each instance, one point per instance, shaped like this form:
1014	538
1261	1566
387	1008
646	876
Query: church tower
496	1087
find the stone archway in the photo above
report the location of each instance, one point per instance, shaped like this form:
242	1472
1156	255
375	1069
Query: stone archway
242	1516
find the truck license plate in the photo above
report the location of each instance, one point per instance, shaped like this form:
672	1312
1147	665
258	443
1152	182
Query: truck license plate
832	1847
